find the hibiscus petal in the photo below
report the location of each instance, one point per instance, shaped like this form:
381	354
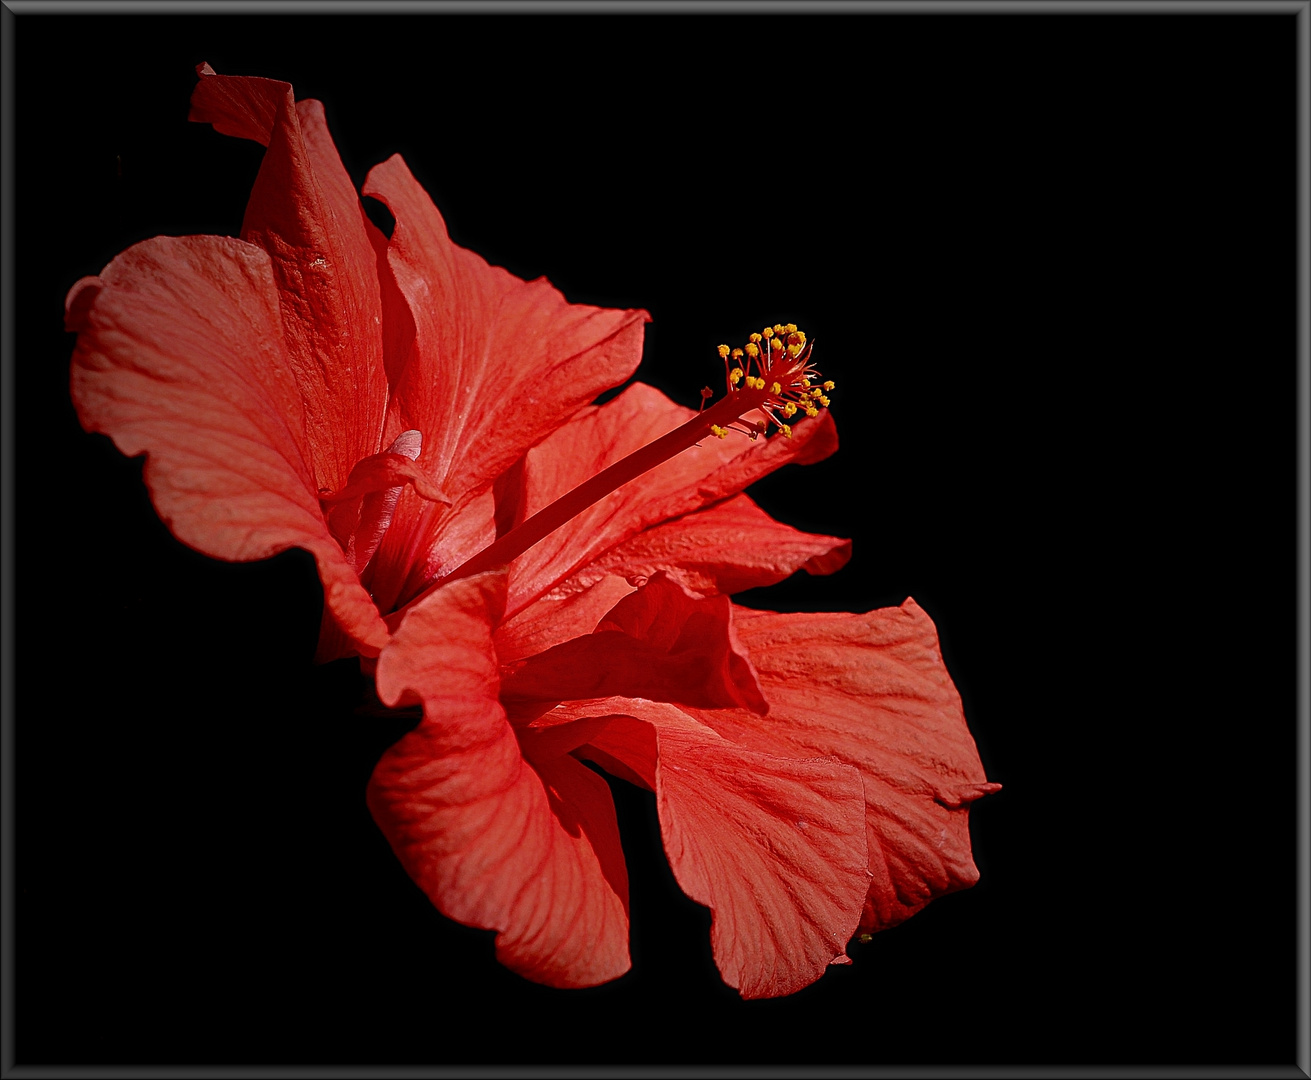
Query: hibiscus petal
661	642
529	850
556	619
495	355
872	690
597	438
305	213
378	509
498	362
725	548
180	356
773	845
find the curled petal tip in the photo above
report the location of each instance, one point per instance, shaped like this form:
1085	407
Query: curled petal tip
77	305
960	795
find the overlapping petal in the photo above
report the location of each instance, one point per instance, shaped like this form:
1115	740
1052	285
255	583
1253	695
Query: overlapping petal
305	213
661	642
549	622
773	845
529	850
181	356
349	341
726	548
872	691
497	364
591	545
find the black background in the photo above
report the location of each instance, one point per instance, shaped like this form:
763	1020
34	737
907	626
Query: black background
1049	261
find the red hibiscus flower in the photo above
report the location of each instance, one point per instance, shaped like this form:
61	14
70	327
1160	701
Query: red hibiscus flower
549	580
285	386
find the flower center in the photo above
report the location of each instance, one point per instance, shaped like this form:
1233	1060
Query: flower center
780	358
771	374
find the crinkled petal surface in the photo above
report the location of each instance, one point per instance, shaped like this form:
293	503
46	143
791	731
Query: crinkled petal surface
773	845
550	622
698	477
726	548
872	691
530	850
180	355
304	211
497	364
661	642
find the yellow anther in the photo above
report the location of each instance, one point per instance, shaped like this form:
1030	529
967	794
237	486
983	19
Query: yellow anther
791	328
778	328
829	384
805	383
789	410
824	401
753	350
723	351
735	376
755	338
767	332
786	429
777	388
794	351
811	411
717	431
817	392
796	338
777	344
736	354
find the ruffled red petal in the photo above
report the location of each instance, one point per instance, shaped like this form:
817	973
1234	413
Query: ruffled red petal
872	690
304	211
661	642
497	364
557	618
597	438
725	548
181	356
529	850
773	845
